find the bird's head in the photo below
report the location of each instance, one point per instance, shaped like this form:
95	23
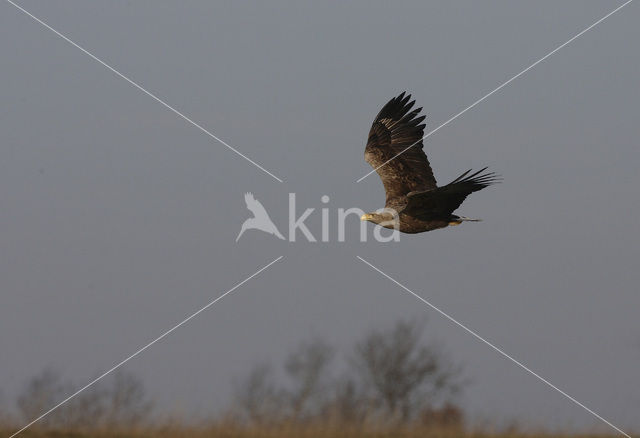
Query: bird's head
384	218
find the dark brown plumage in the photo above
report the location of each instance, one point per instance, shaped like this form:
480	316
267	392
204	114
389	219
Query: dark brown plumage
414	202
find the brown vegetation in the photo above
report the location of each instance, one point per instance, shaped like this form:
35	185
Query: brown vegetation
121	405
391	384
389	378
223	430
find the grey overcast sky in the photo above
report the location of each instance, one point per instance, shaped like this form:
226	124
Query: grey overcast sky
118	218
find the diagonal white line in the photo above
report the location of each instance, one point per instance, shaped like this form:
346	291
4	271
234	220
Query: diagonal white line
122	362
476	335
499	87
139	87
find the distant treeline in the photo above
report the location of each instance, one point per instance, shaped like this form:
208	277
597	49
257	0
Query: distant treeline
390	379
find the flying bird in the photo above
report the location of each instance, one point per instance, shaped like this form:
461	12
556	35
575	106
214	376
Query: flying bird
260	220
414	203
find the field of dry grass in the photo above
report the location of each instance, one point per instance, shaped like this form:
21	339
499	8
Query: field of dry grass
316	431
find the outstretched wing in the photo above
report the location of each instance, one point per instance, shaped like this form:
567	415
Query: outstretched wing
254	206
446	199
394	130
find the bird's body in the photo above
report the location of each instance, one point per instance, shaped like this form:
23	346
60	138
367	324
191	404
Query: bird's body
414	202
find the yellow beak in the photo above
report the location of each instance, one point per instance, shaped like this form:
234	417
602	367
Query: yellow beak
366	217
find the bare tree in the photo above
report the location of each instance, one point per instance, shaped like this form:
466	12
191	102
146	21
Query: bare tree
84	411
124	404
393	375
40	393
403	375
348	403
307	369
259	400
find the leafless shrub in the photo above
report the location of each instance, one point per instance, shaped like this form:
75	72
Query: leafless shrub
121	405
348	403
391	377
403	375
40	394
6	418
307	370
126	403
300	397
258	399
